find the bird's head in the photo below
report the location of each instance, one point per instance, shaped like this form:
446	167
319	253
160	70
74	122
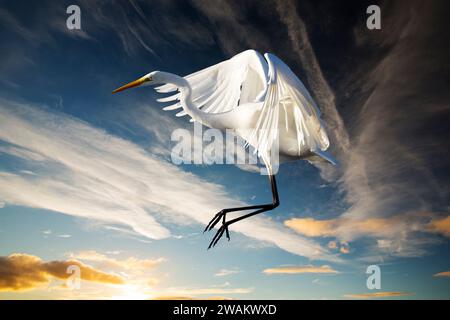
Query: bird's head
155	77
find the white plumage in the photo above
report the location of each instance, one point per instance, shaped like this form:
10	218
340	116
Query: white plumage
260	98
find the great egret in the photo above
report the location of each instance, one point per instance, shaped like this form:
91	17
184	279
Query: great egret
258	97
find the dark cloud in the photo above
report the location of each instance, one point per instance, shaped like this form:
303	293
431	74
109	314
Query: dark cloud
398	140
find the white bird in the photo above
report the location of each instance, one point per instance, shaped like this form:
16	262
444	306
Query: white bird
258	97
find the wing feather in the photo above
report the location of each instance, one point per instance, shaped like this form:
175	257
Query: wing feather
222	87
172	107
287	95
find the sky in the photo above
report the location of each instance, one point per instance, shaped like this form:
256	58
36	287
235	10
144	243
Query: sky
86	177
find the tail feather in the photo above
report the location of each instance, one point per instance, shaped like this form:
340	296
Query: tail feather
326	156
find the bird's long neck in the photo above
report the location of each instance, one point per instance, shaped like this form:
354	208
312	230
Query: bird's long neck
208	119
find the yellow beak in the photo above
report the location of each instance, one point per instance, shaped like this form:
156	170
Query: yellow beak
132	84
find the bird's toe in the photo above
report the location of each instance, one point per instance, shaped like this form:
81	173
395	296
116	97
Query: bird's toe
214	221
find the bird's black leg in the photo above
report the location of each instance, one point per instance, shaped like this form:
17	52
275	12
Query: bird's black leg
261	208
222	214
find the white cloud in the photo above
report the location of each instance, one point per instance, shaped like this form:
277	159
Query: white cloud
95	175
21	153
226	272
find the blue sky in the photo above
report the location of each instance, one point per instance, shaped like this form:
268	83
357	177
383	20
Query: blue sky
86	176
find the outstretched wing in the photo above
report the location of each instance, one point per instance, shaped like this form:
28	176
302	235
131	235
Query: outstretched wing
288	103
224	86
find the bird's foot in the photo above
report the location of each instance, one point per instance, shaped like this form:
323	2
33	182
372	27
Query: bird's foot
220	215
223	229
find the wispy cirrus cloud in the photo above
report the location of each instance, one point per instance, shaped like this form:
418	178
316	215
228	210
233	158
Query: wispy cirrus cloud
226	272
389	173
129	24
134	24
387	150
